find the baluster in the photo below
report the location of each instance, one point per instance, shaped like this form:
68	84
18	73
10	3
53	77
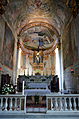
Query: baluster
1	103
61	106
6	103
52	103
11	104
70	104
15	103
52	107
74	103
56	104
78	103
65	104
20	103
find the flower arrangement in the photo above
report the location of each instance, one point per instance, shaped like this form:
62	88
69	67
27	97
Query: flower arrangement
8	89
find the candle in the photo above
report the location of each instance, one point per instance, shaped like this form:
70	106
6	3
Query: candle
23	88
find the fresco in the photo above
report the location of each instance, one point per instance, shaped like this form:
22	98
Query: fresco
37	36
21	12
2	30
70	48
66	49
8	48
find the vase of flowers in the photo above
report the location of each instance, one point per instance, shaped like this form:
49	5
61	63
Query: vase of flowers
8	89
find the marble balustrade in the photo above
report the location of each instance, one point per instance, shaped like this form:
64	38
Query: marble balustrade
12	103
54	102
62	102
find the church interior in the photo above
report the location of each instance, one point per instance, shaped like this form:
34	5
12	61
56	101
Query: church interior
39	50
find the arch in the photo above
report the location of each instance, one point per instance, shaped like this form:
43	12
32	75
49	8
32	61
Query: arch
39	23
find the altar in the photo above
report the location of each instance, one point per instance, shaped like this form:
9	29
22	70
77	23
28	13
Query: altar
40	89
34	82
36	97
35	88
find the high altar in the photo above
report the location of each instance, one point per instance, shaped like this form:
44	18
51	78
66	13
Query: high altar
36	87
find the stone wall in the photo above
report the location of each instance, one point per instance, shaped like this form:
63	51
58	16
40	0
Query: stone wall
71	55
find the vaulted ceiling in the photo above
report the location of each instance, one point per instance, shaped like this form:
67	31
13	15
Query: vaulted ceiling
37	23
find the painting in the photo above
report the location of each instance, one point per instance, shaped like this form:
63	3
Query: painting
8	48
70	45
37	37
2	27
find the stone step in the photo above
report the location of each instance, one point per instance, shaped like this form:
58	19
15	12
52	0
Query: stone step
53	115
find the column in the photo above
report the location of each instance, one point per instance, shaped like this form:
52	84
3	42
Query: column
58	66
15	59
19	58
19	63
61	63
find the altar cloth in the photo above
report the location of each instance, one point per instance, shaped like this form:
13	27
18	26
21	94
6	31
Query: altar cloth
32	92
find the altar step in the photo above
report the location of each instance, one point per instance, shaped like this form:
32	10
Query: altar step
53	115
36	110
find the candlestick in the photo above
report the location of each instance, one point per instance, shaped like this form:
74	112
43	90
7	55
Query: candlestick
23	88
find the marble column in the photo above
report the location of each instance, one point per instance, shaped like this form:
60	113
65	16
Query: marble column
15	62
58	65
61	64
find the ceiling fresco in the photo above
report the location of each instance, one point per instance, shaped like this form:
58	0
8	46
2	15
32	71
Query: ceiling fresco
21	14
37	37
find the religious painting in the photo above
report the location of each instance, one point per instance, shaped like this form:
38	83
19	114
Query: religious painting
68	51
37	37
2	26
8	47
71	49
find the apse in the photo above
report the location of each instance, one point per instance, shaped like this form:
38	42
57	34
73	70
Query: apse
40	27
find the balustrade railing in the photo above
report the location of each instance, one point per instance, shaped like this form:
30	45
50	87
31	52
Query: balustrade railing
13	103
63	102
17	103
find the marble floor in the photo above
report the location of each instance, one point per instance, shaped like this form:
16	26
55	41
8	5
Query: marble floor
55	115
